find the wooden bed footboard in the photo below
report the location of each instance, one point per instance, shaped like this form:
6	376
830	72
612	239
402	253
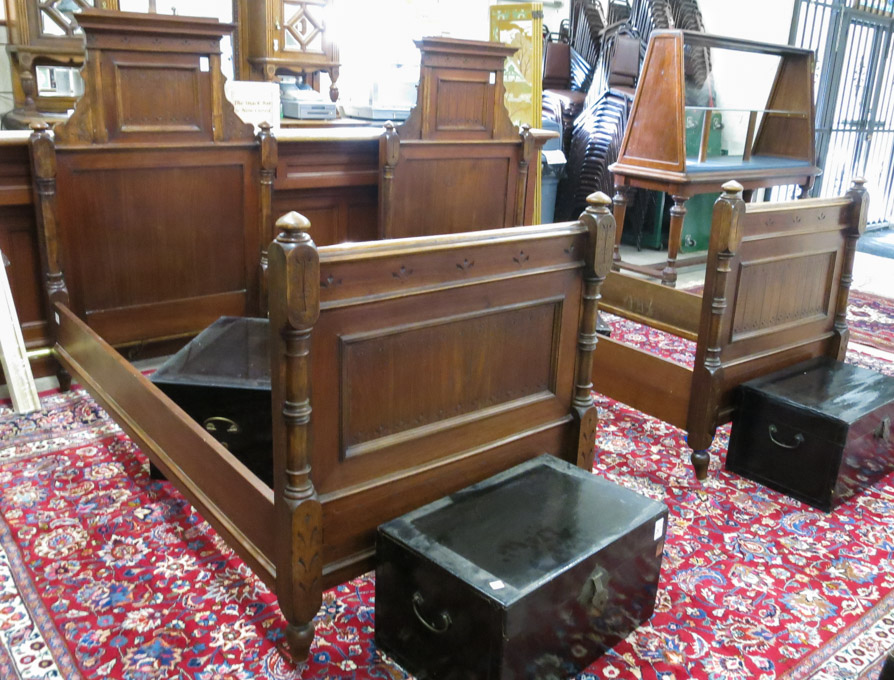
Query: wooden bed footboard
406	370
776	291
435	362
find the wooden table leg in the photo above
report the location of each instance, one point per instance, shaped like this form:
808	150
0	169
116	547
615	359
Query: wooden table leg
677	215
620	210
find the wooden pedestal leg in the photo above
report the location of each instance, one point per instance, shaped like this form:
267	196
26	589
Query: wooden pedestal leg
620	210
677	214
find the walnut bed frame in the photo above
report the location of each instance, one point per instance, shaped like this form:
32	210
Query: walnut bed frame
776	291
435	363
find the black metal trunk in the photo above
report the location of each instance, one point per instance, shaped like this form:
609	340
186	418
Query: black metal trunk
533	573
221	379
819	431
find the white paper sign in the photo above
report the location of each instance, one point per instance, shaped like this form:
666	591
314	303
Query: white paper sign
255	103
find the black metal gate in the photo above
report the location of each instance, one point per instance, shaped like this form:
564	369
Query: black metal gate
855	95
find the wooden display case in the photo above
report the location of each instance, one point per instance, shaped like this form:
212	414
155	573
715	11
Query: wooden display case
777	149
286	36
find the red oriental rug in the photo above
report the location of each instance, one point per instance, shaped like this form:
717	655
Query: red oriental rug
871	320
105	573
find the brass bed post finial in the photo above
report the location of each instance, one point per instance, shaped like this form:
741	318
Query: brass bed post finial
294	287
859	212
726	236
43	163
600	224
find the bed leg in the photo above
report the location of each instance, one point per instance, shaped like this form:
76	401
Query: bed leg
700	461
300	639
64	378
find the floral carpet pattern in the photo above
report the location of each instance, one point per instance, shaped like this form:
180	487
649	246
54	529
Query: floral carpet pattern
105	573
871	320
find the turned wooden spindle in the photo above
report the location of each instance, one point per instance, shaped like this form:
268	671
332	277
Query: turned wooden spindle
43	164
726	236
860	198
597	263
294	280
269	159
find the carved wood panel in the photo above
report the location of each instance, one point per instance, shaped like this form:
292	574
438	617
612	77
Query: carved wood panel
486	182
462	104
776	293
336	214
179	88
435	373
145	259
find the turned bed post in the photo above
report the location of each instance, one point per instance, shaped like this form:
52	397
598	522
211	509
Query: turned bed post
43	169
707	379
389	155
294	280
267	172
597	263
860	208
525	165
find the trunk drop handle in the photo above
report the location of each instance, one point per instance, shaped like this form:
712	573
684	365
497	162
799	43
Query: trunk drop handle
440	626
796	442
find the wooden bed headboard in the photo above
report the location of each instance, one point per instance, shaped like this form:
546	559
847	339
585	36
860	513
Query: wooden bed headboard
154	195
458	150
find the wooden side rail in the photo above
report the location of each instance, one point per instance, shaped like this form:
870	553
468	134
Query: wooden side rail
222	489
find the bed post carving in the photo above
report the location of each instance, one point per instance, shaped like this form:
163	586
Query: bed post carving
43	164
597	264
860	200
726	236
389	155
269	159
524	166
294	268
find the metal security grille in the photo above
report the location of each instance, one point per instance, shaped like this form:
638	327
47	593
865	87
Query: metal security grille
855	95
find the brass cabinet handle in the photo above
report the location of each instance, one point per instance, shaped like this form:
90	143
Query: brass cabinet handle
440	626
214	422
796	442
